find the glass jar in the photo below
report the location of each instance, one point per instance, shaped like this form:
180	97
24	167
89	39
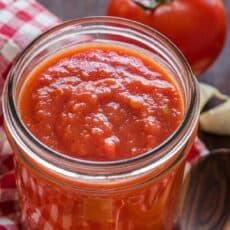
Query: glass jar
60	192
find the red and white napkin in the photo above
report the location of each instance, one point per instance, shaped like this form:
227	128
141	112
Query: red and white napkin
20	22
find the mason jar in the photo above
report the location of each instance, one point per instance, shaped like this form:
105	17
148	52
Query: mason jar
57	191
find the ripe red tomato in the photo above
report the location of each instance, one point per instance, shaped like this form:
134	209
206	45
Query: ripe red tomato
197	27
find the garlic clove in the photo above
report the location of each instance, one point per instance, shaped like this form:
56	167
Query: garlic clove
207	92
217	120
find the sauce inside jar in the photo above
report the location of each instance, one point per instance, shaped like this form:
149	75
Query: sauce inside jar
100	102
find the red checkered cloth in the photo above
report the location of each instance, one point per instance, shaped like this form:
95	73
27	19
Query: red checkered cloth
20	22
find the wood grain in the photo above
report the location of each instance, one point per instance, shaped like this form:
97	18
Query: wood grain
205	201
70	9
218	75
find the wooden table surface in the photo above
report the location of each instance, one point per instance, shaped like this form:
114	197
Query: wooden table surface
218	75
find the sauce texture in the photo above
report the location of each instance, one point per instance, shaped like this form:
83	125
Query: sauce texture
100	102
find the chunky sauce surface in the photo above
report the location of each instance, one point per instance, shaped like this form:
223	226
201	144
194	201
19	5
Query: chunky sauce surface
100	102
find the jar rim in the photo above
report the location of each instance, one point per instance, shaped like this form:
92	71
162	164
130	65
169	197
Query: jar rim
191	113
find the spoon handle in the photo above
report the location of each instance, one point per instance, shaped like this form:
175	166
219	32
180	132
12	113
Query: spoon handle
205	202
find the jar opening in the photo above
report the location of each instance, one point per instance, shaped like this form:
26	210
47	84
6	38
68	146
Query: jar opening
88	30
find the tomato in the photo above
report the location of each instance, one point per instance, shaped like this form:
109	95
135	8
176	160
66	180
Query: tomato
197	27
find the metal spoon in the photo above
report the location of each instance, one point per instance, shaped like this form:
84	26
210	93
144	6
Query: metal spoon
205	200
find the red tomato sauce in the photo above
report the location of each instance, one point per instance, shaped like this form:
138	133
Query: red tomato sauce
100	102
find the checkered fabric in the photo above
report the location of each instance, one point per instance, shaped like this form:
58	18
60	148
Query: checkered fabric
20	22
